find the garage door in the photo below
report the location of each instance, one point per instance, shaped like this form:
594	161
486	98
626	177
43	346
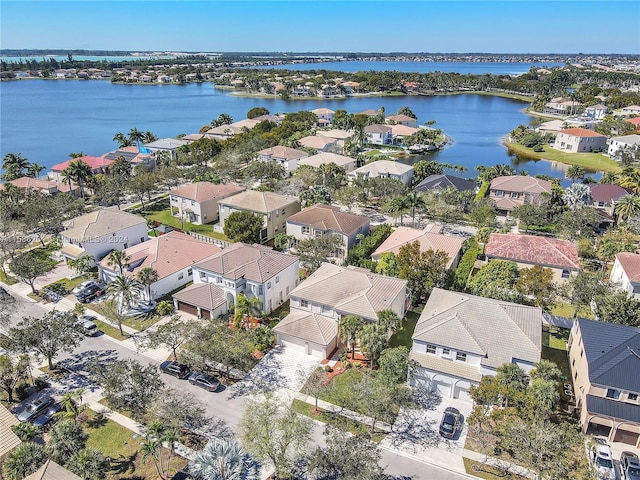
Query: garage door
206	314
184	307
317	350
442	388
421	382
624	436
461	391
293	344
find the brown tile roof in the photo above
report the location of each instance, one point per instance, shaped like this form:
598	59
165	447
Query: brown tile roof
457	369
286	153
402	130
429	238
315	141
369	112
8	439
261	202
520	183
322	111
166	254
336	133
253	262
104	221
201	191
401	118
549	252
581	132
50	470
498	331
311	327
630	263
203	295
94	162
37	184
327	217
377	128
607	193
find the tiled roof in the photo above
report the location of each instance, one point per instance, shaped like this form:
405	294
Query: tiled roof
40	185
628	139
261	202
99	223
324	158
8	439
635	121
253	262
429	238
401	118
534	250
322	111
166	254
386	167
457	369
630	263
327	217
504	203
520	183
94	162
402	130
607	193
50	470
437	182
286	153
167	144
203	295
350	290
315	141
337	134
311	327
369	112
202	191
376	128
498	331
581	132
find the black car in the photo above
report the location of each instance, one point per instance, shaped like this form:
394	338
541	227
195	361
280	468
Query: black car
47	415
90	293
176	369
450	422
204	380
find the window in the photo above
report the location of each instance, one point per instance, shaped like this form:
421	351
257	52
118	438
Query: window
190	272
431	348
514	194
268	285
499	193
317	232
565	273
446	352
461	357
259	289
181	276
326	309
304	304
193	202
632	397
613	393
277	213
141	239
277	278
581	353
203	275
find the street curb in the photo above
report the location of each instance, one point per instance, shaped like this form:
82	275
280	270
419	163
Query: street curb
427	461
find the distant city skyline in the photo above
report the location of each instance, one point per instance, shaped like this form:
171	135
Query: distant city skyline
535	27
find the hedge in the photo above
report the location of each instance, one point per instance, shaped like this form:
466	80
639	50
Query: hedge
484	189
466	265
360	254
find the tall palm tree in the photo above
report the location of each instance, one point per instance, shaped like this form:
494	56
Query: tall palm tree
147	276
80	172
224	459
373	340
13	166
67	177
135	136
389	320
360	135
246	307
118	258
415	201
349	329
575	172
148	137
398	206
125	291
65	439
89	464
34	170
71	402
122	140
627	207
22	461
629	178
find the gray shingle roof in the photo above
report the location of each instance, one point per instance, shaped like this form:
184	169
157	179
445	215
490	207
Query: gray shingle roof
436	182
99	223
311	327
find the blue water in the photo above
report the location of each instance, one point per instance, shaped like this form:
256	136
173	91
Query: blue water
45	120
476	68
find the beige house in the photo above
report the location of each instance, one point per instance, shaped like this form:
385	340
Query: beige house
274	208
8	439
317	142
429	238
578	140
198	202
384	169
340	136
626	273
46	187
325	158
561	256
50	470
511	191
405	120
400	132
285	156
605	361
324	113
328	295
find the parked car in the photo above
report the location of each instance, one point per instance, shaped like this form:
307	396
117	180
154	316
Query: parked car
176	369
5	296
602	461
450	423
48	415
630	464
204	380
90	293
87	323
82	286
34	408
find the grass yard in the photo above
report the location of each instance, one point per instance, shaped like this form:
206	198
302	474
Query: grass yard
142	322
403	335
69	283
487	472
110	330
8	279
554	348
165	217
566	310
337	421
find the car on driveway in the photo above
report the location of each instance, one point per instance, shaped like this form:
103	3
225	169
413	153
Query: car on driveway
176	369
46	416
34	408
204	380
83	285
602	461
450	423
630	464
90	293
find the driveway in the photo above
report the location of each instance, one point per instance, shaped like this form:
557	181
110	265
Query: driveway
415	432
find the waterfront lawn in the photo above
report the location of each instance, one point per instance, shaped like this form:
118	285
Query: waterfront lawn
590	161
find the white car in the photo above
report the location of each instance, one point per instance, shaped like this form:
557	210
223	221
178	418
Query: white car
82	286
630	466
602	461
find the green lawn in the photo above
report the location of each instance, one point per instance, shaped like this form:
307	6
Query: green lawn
69	283
486	471
566	310
403	335
8	279
554	348
112	331
142	322
165	217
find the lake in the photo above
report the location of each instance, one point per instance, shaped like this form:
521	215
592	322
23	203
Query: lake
45	120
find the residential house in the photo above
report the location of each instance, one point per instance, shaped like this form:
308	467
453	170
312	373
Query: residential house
384	169
626	273
578	140
605	196
561	106
441	181
223	132
596	112
97	165
400	132
325	158
511	191
340	136
274	208
286	156
8	439
635	121
254	270
628	142
350	87
50	470
460	338
405	120
317	142
321	219
132	155
370	112
379	134
552	126
198	202
561	256
605	361
171	255
429	238
169	145
98	232
328	295
630	110
45	187
325	113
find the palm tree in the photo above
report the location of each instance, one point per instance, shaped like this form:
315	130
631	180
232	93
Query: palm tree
360	135
24	460
148	137
373	340
125	291
630	179
415	201
147	276
398	206
577	196
349	329
67	177
80	172
76	155
122	140
627	207
34	170
224	459
89	464
136	136
158	434
82	264
65	439
72	408
389	320
246	307
118	258
575	172
13	166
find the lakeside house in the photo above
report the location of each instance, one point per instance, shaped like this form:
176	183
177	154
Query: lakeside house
45	187
628	142
97	165
579	140
169	145
438	182
511	191
379	134
405	120
384	169
325	158
317	142
198	202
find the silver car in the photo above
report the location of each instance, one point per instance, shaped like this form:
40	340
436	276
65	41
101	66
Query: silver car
34	408
630	466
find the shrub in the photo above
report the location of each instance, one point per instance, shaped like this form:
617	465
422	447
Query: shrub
328	369
22	391
165	307
347	365
343	357
59	288
40	383
542	228
484	189
466	265
361	253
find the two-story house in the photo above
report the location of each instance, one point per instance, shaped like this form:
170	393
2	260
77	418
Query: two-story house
511	191
169	145
325	158
317	142
580	140
561	256
626	273
254	270
384	169
460	338
97	233
605	361
596	112
274	208
616	144
331	293
97	165
402	119
320	219
198	202
172	256
604	198
45	187
438	182
325	113
379	134
286	156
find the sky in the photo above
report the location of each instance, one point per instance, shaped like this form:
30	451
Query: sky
517	26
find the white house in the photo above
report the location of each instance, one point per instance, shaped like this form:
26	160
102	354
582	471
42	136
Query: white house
172	256
379	134
460	338
596	112
169	145
627	141
386	169
198	202
97	233
285	156
254	270
580	140
324	113
626	273
402	119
